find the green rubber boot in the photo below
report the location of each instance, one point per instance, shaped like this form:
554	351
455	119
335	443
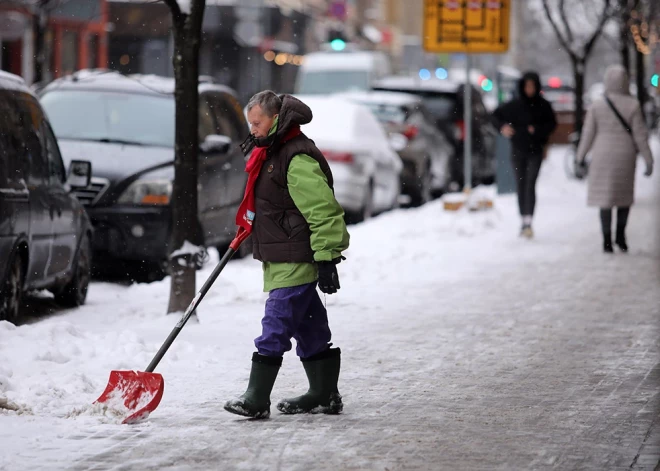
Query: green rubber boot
255	403
323	396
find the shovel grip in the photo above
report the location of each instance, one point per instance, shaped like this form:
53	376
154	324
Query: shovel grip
241	236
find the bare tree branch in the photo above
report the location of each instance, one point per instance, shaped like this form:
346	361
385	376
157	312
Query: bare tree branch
605	17
565	44
564	19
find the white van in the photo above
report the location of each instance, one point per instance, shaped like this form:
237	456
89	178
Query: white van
331	72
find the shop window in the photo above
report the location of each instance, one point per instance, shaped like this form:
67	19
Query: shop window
69	52
93	54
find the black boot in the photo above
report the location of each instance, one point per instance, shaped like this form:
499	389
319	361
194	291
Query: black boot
607	243
255	402
621	238
323	396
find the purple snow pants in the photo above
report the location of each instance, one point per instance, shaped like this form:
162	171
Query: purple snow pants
294	312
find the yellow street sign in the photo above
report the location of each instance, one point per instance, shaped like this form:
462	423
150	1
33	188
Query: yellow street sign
469	26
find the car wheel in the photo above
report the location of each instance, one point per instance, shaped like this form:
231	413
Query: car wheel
74	293
367	210
423	192
12	291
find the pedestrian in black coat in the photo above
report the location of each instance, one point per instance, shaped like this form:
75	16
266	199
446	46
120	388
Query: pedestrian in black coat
528	121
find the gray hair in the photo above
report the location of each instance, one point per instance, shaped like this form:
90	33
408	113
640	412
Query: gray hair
268	101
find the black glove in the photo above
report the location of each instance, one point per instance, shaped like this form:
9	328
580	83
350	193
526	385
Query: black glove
581	169
328	277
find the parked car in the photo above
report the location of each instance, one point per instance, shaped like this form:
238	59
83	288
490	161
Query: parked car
45	233
323	73
125	126
425	151
366	169
444	99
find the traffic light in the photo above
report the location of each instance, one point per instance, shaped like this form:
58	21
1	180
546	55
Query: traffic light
424	74
338	44
441	73
655	80
485	83
337	40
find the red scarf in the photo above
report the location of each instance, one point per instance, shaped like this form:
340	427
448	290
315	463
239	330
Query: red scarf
246	211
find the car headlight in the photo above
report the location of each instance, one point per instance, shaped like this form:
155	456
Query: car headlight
155	192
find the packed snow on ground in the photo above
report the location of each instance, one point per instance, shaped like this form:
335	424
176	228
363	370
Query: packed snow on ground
53	369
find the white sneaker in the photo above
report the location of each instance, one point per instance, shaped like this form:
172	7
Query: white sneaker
527	232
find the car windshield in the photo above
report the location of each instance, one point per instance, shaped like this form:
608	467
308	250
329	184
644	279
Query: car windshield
441	105
387	113
333	81
124	118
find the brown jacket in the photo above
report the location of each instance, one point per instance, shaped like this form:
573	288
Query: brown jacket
280	232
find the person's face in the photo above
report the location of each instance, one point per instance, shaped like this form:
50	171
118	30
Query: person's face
530	88
260	122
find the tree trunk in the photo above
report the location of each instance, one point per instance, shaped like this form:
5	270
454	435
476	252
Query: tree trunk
624	38
579	67
40	21
185	223
640	79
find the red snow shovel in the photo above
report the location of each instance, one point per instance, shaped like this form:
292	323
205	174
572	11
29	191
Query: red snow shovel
140	392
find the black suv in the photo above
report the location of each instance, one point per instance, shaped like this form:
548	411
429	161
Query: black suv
45	234
125	126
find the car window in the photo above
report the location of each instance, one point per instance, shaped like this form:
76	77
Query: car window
56	171
388	113
224	117
416	119
479	108
90	115
207	124
426	113
442	105
333	81
12	150
233	112
30	117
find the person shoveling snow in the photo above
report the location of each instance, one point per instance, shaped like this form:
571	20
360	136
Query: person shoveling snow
299	234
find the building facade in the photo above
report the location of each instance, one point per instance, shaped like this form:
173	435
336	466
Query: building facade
68	36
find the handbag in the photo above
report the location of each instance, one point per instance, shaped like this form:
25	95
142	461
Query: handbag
622	121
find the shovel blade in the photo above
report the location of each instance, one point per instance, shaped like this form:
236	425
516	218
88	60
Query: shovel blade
136	391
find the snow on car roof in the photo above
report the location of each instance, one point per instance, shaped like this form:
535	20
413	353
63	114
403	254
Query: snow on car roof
359	60
414	84
333	117
13	82
381	98
114	81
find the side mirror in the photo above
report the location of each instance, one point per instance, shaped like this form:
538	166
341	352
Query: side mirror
215	144
80	174
398	142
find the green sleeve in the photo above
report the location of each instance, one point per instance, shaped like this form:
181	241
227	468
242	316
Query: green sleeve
309	189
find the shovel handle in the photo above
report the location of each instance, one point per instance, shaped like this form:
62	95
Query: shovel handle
241	235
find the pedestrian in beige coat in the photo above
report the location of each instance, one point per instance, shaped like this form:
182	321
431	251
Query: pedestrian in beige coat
614	146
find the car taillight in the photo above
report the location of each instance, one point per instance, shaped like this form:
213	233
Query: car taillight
411	131
459	130
344	157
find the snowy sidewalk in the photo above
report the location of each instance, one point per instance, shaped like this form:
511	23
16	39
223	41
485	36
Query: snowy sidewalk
464	347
